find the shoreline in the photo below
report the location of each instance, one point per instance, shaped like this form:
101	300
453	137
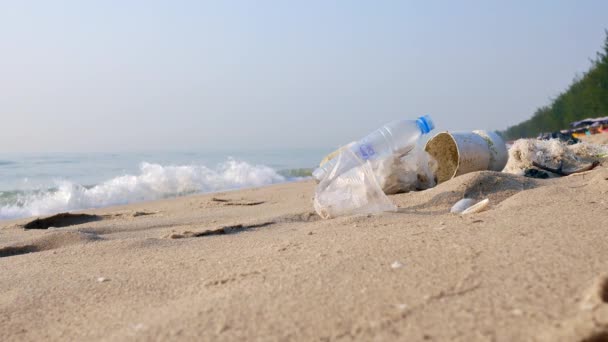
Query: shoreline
169	198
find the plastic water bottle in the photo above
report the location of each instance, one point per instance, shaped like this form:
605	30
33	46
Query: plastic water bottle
396	138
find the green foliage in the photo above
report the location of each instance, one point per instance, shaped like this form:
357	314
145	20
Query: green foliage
587	97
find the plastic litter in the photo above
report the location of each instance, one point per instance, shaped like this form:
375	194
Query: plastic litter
347	189
356	178
414	171
395	139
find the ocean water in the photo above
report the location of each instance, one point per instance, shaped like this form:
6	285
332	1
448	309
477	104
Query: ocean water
41	184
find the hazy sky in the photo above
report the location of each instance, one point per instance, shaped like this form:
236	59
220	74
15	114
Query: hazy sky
150	75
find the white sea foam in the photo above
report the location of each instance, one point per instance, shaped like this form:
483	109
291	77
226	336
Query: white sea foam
153	182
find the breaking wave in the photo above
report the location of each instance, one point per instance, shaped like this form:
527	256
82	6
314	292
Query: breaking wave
153	182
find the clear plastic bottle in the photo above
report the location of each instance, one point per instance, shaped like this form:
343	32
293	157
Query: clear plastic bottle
396	138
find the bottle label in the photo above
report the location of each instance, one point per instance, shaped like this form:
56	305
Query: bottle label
367	151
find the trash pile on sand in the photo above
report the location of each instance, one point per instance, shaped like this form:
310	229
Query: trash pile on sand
553	158
396	158
357	178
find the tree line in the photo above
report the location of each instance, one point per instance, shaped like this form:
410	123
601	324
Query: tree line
586	97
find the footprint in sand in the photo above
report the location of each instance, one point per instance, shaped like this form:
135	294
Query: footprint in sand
237	228
240	202
591	322
223	230
49	241
61	220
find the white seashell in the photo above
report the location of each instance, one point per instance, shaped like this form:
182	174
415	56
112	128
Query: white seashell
462	205
479	207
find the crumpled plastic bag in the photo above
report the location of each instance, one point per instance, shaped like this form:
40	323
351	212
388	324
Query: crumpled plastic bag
350	188
414	171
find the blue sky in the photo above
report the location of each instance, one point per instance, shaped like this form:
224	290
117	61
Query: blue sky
181	75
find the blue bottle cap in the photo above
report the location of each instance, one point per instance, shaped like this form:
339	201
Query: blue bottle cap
425	123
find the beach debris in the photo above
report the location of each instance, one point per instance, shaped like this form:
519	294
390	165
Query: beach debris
398	173
553	158
102	280
413	172
397	138
61	220
396	265
566	138
349	185
348	190
560	171
462	205
355	179
458	153
534	173
477	208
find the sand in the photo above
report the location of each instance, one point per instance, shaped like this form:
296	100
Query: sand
258	264
601	138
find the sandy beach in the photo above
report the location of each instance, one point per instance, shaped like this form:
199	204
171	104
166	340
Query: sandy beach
259	264
304	171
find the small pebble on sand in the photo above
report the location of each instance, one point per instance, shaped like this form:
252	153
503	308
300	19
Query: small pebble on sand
401	307
395	265
102	279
